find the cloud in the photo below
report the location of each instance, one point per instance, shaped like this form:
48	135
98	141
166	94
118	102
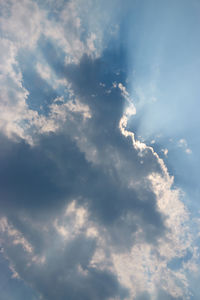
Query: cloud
120	186
88	211
23	27
182	143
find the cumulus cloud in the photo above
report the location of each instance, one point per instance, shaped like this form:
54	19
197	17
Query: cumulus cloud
24	25
88	211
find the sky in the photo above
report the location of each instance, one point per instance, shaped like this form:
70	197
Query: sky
99	155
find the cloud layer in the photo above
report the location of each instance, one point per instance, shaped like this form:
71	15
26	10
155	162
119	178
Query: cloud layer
88	211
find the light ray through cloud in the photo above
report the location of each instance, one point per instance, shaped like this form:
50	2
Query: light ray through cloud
99	150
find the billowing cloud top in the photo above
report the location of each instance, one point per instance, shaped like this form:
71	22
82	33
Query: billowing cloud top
89	209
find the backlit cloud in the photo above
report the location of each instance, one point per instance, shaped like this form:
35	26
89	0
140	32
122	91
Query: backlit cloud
88	209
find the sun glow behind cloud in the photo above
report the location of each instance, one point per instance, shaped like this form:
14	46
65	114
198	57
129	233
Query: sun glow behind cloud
90	208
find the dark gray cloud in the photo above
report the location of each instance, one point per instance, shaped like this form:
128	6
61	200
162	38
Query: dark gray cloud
37	182
59	277
51	173
88	162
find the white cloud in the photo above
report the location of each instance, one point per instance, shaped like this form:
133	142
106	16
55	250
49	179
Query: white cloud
165	151
182	143
143	265
13	95
44	71
22	24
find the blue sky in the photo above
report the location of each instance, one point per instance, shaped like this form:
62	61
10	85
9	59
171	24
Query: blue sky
99	155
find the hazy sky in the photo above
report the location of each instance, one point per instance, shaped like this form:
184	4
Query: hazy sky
99	155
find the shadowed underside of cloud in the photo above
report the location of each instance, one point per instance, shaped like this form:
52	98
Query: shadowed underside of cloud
89	163
87	211
60	166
